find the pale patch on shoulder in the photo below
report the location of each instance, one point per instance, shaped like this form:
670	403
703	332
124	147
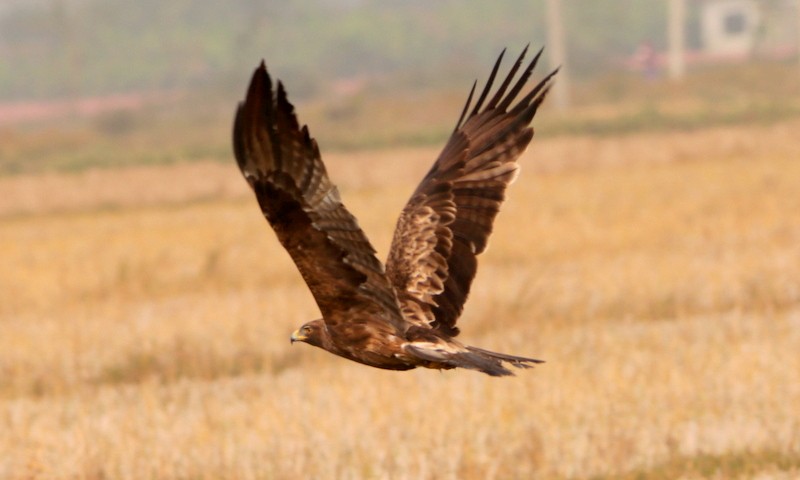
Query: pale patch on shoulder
433	351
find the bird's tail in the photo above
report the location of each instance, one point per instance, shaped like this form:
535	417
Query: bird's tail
495	361
474	358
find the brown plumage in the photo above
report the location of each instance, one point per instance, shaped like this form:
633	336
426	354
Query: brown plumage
402	316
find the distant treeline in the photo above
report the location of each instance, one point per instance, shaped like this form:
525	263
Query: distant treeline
54	48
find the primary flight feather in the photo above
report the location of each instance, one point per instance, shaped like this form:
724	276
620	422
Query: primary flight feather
402	315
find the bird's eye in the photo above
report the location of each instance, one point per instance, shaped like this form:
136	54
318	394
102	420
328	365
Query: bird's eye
306	330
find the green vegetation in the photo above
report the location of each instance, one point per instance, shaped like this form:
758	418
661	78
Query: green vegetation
63	47
196	126
362	74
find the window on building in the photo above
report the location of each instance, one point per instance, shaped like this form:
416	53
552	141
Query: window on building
735	23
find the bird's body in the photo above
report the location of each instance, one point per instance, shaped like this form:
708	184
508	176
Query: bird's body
402	315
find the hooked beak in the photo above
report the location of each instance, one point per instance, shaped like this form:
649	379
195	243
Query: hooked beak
297	336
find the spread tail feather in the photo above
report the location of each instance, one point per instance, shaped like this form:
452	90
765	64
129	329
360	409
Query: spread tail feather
473	358
519	362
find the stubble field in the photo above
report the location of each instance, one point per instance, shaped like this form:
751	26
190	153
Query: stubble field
145	315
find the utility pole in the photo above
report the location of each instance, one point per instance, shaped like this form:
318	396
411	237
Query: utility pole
63	49
797	32
558	54
677	22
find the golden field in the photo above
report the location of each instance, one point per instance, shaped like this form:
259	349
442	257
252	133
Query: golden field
145	315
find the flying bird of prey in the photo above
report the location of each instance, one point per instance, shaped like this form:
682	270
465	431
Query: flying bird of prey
402	315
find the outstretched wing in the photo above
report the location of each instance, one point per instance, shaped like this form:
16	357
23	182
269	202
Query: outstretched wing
449	218
282	164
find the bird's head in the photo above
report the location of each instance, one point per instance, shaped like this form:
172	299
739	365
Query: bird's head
311	333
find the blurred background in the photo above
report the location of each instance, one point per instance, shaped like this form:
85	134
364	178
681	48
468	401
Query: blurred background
648	251
114	69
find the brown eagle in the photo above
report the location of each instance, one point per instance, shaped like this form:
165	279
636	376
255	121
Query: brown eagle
402	315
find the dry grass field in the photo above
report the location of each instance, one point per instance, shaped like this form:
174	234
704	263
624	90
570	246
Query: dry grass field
145	315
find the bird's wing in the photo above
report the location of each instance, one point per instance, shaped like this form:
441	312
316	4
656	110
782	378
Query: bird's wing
448	219
282	164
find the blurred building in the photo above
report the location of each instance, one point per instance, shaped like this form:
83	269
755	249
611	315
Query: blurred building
741	29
